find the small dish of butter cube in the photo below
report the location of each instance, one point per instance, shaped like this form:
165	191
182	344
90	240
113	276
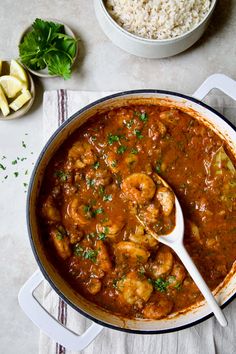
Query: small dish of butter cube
17	90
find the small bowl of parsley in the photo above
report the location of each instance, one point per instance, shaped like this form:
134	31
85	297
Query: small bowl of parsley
48	48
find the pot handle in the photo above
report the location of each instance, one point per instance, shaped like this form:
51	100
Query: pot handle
218	81
47	323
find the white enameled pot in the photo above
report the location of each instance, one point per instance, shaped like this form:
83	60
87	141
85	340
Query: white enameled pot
149	48
200	312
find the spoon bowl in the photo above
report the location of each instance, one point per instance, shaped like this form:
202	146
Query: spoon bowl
174	240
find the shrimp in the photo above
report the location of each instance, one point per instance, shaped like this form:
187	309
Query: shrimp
94	286
163	263
103	258
111	228
130	252
102	177
150	215
49	210
159	309
177	275
139	187
78	212
80	155
139	236
61	243
166	199
134	290
157	130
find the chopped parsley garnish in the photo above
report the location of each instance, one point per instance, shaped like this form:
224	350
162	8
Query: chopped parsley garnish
6	177
96	165
101	190
90	254
114	163
90	182
23	144
59	236
102	236
4	157
138	133
107	198
143	117
129	123
113	139
26	172
98	211
14	162
121	149
16	174
78	250
91	235
23	158
2	167
61	175
160	284
158	167
134	151
25	184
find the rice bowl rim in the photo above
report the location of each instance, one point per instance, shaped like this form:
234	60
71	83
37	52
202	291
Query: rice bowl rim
152	41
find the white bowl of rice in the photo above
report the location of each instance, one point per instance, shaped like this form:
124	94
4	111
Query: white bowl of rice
154	28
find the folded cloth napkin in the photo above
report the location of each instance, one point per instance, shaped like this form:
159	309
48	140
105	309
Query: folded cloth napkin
205	338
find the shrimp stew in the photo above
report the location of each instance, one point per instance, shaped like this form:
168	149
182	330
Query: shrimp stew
106	173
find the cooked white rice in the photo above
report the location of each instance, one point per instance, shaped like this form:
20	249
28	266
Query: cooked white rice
158	19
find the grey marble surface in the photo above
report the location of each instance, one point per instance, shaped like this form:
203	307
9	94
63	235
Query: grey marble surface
101	66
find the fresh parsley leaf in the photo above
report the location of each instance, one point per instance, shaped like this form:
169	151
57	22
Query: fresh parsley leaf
47	45
16	174
90	182
23	144
14	162
58	63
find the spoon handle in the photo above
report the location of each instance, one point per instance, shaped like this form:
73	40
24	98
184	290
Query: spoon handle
199	281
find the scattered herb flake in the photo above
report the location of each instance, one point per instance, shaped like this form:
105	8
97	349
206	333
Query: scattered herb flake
23	144
3	157
129	123
2	167
143	117
90	182
101	190
25	184
96	165
63	176
160	284
90	254
6	177
16	174
113	138
138	133
102	236
107	198
78	250
14	162
134	151
121	149
26	172
114	163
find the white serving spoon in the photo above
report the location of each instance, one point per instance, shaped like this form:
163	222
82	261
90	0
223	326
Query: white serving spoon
175	241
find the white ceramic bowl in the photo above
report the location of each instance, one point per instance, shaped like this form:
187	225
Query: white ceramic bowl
148	48
24	109
44	73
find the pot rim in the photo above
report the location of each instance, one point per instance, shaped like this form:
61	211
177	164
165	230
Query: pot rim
31	185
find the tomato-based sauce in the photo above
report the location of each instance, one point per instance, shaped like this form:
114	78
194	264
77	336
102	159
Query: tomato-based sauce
105	175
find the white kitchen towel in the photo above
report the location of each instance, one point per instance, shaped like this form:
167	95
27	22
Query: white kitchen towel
205	338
